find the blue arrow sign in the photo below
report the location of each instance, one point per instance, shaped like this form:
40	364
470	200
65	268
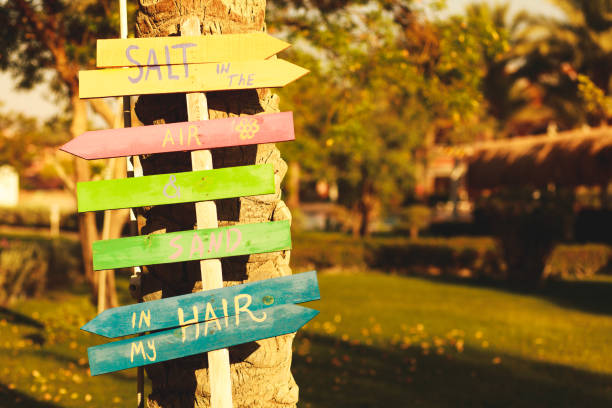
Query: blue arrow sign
243	327
192	308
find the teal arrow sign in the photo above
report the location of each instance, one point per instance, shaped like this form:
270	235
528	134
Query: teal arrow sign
192	308
242	239
243	326
190	186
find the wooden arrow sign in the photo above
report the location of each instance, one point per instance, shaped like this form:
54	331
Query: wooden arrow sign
242	239
171	312
185	136
242	327
162	79
187	50
175	188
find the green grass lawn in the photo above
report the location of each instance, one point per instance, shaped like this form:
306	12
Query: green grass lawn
385	341
380	341
43	357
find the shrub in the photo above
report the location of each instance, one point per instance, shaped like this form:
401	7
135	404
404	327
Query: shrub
448	256
23	270
326	249
414	218
440	256
458	256
25	216
578	261
29	264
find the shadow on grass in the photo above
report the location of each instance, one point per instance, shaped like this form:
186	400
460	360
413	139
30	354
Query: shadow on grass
16	399
14	317
334	373
48	355
586	296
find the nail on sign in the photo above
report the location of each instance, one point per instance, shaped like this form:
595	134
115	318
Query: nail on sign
206	134
171	312
160	79
242	239
191	186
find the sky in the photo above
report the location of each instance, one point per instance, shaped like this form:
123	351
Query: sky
532	6
40	102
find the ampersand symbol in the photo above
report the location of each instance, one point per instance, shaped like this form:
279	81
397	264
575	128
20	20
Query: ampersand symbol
176	188
247	127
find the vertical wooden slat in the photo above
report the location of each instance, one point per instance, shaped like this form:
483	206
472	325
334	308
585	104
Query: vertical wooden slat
133	170
206	217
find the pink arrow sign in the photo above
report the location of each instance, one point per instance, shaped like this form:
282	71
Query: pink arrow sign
184	136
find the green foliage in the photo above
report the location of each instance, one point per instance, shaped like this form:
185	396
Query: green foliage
596	104
447	256
349	109
479	257
382	82
578	261
471	47
23	140
316	250
414	217
17	137
34	35
568	61
494	37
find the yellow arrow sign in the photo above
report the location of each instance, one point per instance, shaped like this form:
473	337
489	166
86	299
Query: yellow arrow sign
161	79
134	52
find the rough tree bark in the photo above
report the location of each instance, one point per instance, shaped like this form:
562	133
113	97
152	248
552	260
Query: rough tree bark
261	375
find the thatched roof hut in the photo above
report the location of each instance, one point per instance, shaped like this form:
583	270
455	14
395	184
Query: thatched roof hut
578	157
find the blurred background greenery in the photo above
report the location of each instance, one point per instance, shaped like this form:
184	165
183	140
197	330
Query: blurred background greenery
450	181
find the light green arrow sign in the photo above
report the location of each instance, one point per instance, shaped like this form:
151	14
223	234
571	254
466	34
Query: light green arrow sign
191	186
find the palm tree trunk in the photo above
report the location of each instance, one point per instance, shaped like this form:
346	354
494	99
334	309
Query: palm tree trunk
261	374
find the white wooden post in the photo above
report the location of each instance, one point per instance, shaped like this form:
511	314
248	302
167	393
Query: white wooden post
206	217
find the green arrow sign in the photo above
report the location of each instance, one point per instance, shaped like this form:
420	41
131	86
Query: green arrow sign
191	245
191	186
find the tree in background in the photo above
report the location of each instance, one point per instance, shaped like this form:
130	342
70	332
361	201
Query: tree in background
384	84
22	138
29	147
58	37
506	94
560	71
570	62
